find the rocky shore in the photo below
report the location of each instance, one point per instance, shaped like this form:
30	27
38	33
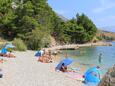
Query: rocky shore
76	46
109	78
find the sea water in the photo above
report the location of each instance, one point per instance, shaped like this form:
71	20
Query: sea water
89	56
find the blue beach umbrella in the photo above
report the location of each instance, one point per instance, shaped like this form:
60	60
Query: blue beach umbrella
92	75
4	50
66	62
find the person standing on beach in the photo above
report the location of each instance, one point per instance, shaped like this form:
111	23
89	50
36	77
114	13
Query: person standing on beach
100	58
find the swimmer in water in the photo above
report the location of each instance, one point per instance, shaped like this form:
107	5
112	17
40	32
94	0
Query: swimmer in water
100	58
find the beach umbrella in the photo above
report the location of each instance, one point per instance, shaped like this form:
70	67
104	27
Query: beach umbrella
9	46
66	61
92	75
4	50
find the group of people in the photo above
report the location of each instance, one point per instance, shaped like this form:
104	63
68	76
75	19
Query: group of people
7	51
91	76
44	56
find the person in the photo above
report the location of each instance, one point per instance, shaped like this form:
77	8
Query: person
63	68
100	58
49	56
41	56
5	53
1	59
46	57
41	59
11	54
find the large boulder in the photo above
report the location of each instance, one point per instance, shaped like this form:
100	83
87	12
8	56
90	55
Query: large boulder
109	78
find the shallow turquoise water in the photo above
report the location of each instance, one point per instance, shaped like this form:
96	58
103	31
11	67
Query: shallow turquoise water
89	56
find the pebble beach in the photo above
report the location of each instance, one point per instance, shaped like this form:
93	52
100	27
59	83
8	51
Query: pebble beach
25	70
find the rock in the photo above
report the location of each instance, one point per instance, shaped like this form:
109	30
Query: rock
109	78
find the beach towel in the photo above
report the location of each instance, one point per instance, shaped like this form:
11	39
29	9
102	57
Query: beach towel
75	76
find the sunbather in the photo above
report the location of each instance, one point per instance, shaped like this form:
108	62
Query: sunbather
63	68
5	53
46	57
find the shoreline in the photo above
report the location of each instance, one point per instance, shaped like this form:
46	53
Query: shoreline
76	46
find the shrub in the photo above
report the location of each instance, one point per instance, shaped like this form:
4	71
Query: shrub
1	45
20	45
38	39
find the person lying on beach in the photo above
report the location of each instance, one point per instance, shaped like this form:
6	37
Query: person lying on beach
11	55
63	68
46	58
5	53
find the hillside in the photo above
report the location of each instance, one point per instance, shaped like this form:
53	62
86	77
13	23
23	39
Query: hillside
106	34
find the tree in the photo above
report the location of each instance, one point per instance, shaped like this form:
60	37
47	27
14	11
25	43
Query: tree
6	17
34	22
88	26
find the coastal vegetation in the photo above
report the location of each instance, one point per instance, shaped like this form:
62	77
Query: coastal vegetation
33	22
20	45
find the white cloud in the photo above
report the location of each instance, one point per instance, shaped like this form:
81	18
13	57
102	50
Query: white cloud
104	5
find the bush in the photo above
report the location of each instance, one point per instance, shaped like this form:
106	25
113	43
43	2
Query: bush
99	38
38	39
20	45
1	46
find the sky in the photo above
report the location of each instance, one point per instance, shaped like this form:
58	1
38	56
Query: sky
101	12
